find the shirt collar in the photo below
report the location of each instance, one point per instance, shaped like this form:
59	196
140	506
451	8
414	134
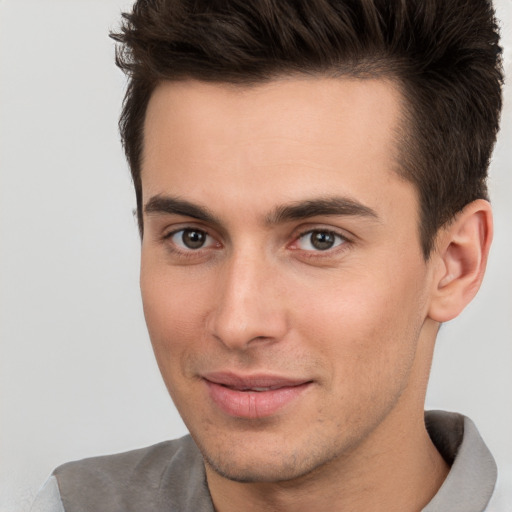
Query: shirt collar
472	477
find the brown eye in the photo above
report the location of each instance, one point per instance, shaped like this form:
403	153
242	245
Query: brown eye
191	239
319	240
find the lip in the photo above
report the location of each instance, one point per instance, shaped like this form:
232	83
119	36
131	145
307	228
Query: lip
253	396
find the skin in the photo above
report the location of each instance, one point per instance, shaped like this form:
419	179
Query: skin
357	321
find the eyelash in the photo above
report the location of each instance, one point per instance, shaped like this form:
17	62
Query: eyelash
195	253
185	253
310	254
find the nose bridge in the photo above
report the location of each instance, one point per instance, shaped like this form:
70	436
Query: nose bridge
249	307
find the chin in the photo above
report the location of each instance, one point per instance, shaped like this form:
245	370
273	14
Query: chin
266	465
269	472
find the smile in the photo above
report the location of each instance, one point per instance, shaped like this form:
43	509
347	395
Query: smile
253	397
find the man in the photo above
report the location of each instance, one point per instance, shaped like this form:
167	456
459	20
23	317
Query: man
310	182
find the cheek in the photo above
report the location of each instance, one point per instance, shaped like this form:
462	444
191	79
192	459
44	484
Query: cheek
366	326
174	313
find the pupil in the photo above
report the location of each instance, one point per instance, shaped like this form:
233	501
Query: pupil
193	239
322	240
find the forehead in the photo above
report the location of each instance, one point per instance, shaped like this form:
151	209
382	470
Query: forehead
319	110
277	141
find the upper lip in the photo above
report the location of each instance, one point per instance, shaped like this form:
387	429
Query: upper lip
244	382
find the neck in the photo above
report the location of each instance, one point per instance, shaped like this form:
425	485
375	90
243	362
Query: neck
395	469
403	476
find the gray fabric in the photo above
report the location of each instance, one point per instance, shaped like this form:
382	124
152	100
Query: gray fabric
501	500
167	477
48	498
170	476
471	480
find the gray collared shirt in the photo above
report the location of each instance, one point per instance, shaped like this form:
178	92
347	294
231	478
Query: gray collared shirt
170	476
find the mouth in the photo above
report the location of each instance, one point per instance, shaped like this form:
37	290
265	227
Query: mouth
253	396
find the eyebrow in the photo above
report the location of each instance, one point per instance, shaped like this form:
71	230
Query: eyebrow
322	206
298	210
176	206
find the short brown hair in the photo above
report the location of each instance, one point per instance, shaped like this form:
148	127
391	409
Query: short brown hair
445	55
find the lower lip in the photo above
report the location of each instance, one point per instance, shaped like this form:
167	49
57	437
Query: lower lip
253	404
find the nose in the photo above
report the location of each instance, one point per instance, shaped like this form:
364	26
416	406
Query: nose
250	308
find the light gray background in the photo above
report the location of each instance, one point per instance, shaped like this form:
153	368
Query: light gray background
77	376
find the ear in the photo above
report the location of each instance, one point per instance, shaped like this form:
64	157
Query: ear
460	258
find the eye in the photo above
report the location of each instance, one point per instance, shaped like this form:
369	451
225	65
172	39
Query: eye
319	240
191	239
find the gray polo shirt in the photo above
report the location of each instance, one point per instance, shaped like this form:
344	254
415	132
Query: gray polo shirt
170	476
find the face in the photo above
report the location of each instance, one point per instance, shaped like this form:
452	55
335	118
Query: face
282	277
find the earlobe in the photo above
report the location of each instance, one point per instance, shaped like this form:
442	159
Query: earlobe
461	257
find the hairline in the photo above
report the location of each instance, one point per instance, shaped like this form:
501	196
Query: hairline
404	144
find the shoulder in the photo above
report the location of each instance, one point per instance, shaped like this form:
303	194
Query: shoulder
48	498
141	463
169	473
472	477
501	500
